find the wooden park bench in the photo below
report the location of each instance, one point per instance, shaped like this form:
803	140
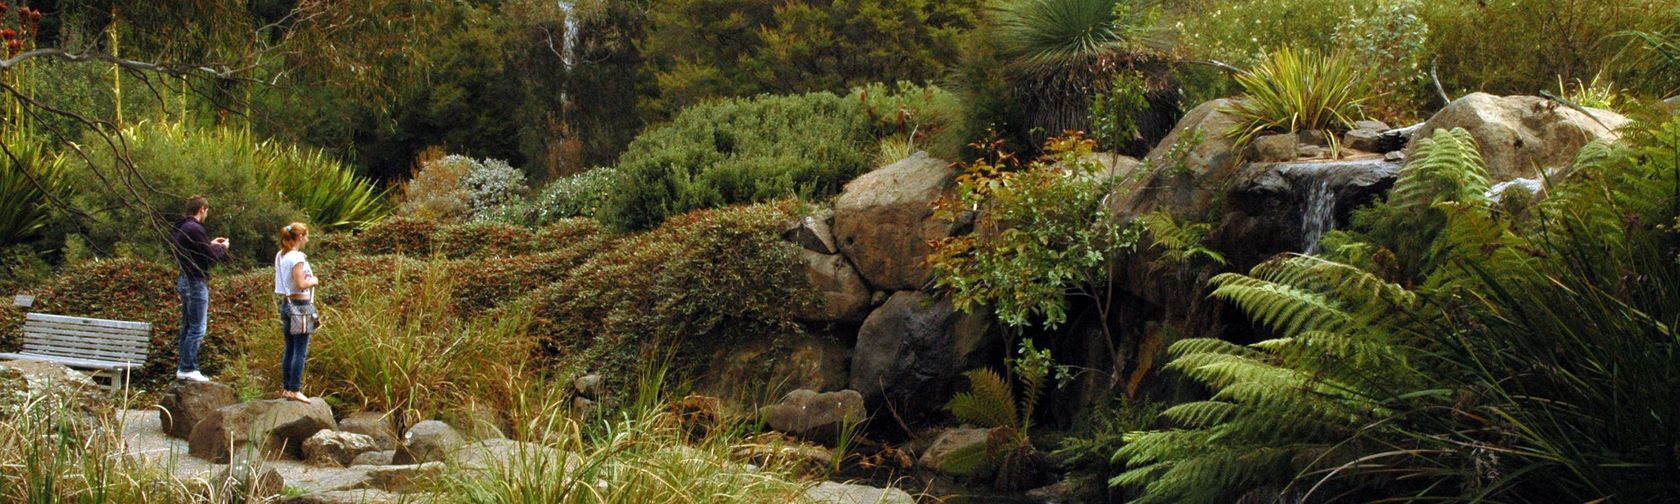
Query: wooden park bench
110	348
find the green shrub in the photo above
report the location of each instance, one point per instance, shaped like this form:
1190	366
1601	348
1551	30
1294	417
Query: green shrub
1299	90
1650	57
1389	46
1522	46
133	209
761	149
700	280
1115	111
544	256
580	195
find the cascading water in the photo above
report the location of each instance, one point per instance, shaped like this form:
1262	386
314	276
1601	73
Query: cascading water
568	39
1318	212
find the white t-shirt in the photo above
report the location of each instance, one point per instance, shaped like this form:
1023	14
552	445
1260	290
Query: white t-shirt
283	264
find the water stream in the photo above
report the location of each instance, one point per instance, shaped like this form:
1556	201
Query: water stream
1318	212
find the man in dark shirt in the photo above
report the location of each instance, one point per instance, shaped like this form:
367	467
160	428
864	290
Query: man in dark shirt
195	252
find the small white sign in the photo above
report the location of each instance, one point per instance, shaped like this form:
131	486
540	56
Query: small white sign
23	301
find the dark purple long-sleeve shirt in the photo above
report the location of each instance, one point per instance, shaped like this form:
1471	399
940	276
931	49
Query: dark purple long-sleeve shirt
193	250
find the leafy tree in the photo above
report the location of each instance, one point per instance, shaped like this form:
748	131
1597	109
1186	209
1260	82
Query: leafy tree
1043	236
698	49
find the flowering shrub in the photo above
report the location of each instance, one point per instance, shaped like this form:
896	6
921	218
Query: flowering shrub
491	184
437	191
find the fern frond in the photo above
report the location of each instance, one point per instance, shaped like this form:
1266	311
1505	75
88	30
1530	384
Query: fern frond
1210	345
1285	308
1446	167
1201	413
988	403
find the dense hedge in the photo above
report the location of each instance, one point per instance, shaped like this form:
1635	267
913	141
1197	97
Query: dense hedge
400	235
750	150
488	283
703	278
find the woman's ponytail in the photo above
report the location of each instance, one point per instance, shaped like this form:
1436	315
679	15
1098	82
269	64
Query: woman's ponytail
291	235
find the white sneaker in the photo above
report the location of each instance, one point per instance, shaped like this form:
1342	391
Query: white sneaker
194	376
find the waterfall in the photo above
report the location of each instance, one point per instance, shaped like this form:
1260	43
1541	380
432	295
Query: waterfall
1318	212
568	53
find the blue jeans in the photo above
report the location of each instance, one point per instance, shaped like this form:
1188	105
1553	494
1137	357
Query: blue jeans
297	349
195	314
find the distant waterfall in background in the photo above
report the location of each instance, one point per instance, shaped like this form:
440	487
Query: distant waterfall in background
568	53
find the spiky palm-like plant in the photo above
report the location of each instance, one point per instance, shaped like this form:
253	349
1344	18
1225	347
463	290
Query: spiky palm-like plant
24	205
334	197
1298	90
1065	51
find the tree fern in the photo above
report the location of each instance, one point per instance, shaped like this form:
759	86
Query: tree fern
989	402
1507	364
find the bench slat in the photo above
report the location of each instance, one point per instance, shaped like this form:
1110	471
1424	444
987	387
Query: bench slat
72	362
83	353
84	345
114	324
40	333
104	331
53	332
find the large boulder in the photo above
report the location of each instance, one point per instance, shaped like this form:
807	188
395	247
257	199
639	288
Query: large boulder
277	426
501	454
829	492
331	448
796	361
884	219
953	452
373	424
358	496
374	458
186	402
428	441
404	478
1523	136
820	417
1189	169
245	481
47	388
812	232
476	422
840	291
911	348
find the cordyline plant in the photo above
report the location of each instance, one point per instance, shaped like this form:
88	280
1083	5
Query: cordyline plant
1299	90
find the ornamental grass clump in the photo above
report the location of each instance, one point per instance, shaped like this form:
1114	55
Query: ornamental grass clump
1299	90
